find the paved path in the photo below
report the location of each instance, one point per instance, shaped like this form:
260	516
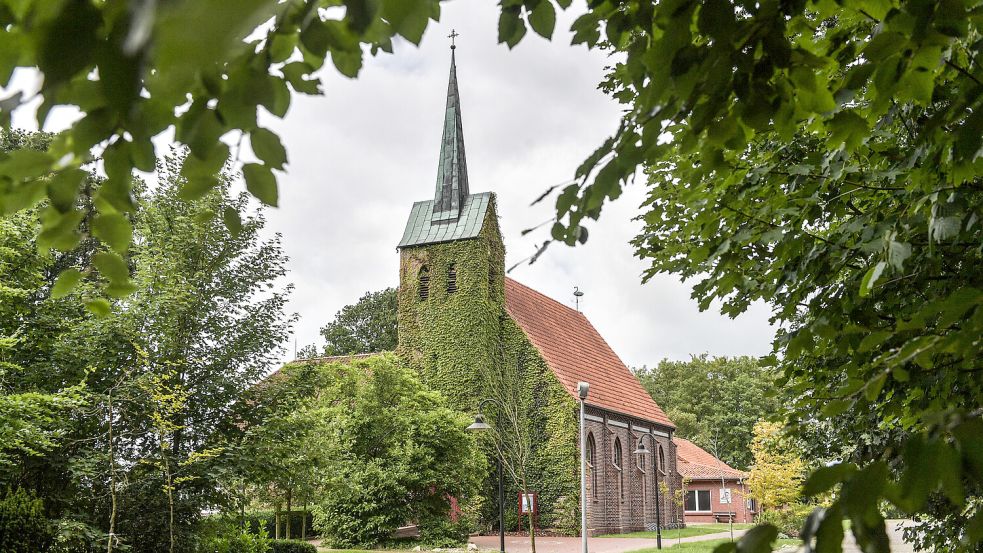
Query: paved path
516	544
624	545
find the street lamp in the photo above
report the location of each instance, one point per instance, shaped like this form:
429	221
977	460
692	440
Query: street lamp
658	514
583	389
479	425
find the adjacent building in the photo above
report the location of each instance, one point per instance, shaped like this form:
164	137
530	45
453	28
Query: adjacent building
713	491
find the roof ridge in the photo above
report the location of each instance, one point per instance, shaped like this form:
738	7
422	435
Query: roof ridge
556	301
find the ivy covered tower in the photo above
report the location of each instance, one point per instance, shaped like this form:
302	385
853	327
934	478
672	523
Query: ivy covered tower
451	274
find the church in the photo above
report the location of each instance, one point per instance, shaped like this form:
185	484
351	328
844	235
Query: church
475	334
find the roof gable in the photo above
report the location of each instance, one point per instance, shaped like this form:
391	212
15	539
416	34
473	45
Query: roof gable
575	351
696	463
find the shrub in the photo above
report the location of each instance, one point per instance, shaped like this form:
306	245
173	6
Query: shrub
291	546
444	533
237	542
23	526
789	520
268	519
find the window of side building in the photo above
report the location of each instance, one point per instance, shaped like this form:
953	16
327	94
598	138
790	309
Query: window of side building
698	500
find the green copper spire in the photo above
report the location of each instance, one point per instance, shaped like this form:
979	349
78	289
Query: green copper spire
452	169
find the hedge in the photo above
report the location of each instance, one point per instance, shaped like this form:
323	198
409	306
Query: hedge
253	519
291	546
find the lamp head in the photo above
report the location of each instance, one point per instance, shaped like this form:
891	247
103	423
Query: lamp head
582	390
641	449
479	424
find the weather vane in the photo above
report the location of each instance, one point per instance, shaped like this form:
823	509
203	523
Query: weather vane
454	34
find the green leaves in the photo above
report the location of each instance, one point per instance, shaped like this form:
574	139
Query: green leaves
267	147
542	19
114	229
65	283
511	27
870	278
261	183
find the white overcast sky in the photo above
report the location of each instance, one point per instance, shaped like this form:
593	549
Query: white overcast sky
365	151
362	153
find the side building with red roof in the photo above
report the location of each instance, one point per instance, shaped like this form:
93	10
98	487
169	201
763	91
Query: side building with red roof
491	343
713	490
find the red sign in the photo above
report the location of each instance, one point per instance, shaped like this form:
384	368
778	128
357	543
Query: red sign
528	503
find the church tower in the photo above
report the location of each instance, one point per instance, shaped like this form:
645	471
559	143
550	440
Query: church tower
451	287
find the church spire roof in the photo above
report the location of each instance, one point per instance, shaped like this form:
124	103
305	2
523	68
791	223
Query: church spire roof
452	168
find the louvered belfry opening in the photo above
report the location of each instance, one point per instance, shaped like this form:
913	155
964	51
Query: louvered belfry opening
424	281
452	279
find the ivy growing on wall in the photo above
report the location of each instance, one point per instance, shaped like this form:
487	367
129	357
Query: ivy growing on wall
464	344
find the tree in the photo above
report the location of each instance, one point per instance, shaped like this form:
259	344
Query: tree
777	474
204	320
714	401
384	449
367	326
822	157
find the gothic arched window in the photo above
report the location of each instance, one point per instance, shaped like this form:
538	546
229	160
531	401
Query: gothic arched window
424	282
617	464
452	279
662	459
591	463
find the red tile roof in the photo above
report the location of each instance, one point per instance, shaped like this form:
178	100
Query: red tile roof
575	351
695	463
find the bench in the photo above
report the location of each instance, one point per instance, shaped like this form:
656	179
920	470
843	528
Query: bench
725	516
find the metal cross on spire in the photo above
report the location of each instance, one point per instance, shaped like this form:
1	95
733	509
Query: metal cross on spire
454	34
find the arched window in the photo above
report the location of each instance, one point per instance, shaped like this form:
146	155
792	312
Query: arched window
618	465
424	282
591	460
452	279
662	459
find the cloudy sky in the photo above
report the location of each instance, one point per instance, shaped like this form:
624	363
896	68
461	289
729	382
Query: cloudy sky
365	151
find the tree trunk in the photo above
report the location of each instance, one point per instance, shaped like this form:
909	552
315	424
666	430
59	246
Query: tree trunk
303	523
276	520
532	519
112	479
287	528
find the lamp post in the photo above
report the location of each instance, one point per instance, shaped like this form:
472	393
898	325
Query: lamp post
583	389
658	502
479	425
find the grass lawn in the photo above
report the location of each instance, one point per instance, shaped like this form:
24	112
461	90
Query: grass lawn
690	530
702	546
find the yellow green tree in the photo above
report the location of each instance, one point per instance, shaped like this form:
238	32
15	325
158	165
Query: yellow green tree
776	477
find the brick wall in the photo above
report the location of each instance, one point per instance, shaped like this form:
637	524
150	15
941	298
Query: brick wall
738	505
625	498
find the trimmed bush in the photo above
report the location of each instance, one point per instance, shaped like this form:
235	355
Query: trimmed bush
291	546
254	518
23	526
789	520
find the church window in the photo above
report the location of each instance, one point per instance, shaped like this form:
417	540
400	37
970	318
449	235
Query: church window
618	465
591	459
452	279
662	460
424	281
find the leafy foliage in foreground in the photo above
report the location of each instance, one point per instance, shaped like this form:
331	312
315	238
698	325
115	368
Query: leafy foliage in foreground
200	68
822	157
